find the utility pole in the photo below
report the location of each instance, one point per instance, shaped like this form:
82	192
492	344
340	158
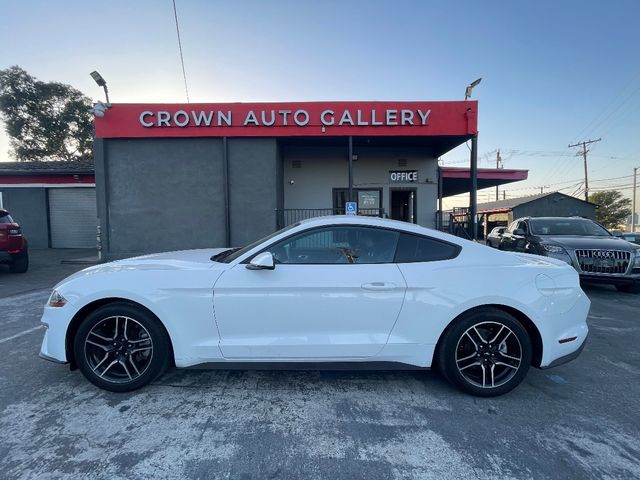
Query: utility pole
633	203
584	144
498	162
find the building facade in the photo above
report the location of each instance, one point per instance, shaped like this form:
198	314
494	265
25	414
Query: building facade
201	175
54	202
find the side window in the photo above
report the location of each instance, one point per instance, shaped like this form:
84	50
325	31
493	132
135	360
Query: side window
415	248
523	226
335	245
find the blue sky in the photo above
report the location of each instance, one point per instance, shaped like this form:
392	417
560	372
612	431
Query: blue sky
554	72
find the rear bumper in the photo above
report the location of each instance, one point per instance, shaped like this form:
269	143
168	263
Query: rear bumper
564	335
568	357
6	257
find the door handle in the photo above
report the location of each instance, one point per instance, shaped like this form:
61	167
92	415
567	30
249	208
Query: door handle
379	286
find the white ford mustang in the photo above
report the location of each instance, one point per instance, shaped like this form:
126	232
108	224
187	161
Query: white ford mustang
331	289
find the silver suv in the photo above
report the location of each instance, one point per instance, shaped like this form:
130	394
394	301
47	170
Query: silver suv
598	256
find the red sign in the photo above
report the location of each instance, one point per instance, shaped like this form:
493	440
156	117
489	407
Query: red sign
288	119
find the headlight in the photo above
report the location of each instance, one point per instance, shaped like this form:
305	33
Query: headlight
553	248
56	300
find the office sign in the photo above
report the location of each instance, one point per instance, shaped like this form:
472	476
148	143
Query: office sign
403	176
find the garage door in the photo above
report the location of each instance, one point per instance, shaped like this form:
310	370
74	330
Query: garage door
73	217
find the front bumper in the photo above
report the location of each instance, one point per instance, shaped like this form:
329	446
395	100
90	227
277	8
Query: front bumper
610	279
56	322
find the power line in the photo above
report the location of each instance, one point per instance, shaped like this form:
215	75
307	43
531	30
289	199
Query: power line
584	144
184	73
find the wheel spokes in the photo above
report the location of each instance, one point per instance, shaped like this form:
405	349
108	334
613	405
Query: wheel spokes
488	354
118	349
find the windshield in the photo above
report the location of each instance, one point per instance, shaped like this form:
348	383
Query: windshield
230	255
566	226
5	218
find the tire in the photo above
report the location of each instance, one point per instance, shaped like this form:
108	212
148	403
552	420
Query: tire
115	363
502	335
20	264
630	288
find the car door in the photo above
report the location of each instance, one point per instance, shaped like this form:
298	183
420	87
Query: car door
508	240
334	293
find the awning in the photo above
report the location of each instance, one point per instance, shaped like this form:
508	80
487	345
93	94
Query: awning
457	180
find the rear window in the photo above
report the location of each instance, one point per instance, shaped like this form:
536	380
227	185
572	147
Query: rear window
414	248
5	218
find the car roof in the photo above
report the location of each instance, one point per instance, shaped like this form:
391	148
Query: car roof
381	223
555	218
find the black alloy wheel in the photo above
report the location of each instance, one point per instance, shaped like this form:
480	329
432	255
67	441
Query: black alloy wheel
120	347
486	352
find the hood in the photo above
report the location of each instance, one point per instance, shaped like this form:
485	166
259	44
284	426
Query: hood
179	260
577	242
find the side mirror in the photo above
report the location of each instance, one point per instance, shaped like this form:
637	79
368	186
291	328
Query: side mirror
518	231
262	261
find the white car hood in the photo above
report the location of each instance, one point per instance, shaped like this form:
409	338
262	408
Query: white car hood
179	260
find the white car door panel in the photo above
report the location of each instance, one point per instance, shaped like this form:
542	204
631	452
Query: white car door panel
307	311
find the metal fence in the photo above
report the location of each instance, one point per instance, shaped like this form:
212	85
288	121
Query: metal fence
288	216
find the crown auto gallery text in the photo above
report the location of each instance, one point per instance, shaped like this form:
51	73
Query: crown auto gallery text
268	118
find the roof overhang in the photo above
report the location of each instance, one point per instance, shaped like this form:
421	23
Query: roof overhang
457	180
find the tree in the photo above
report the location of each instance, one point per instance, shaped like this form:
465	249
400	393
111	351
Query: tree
44	120
613	207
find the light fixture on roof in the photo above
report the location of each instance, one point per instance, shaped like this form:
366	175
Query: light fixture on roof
101	83
469	89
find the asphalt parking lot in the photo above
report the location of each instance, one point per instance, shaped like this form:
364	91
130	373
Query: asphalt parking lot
580	420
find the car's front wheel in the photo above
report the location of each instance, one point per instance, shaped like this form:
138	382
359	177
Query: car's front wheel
486	352
121	347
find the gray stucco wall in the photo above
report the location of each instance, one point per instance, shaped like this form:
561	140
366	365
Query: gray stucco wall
28	207
323	168
160	194
254	169
555	205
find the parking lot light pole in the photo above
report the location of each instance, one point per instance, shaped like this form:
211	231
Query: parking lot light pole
101	83
473	200
633	203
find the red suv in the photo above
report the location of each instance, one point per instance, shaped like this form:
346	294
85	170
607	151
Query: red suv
13	245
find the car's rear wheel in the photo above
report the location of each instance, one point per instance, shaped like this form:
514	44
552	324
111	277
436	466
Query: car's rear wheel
629	288
121	347
486	352
20	264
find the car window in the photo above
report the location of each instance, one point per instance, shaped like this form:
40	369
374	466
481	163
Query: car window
513	226
6	218
415	248
522	225
567	226
337	245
